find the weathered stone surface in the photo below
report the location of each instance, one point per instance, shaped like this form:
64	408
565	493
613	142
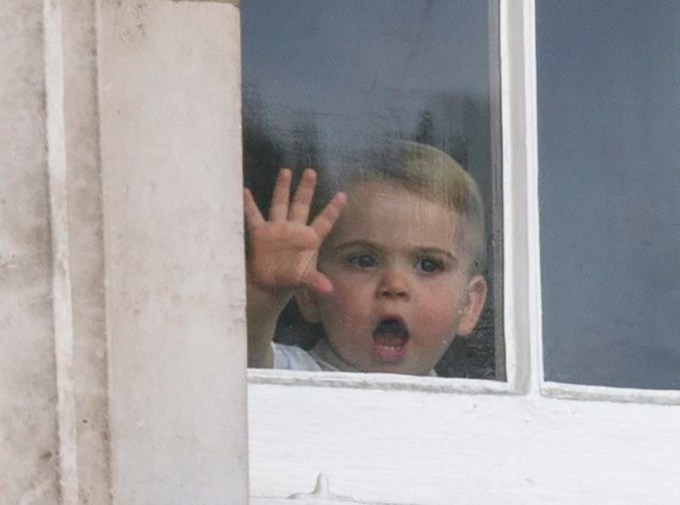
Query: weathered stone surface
28	421
86	251
171	171
121	233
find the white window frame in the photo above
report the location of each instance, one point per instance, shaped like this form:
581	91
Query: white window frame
423	441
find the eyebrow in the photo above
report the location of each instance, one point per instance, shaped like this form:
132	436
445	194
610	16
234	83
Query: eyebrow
356	243
418	250
436	251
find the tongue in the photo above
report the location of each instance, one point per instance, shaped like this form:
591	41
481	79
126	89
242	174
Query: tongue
389	342
391	339
391	334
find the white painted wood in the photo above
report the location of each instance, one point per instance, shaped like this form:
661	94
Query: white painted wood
169	85
522	268
378	382
422	441
430	449
610	394
321	495
530	185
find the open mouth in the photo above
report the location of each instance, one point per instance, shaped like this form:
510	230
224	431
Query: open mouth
390	337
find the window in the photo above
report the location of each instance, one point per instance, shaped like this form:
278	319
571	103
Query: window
324	81
531	439
609	180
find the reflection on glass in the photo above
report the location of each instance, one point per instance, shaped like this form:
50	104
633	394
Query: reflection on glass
331	85
609	119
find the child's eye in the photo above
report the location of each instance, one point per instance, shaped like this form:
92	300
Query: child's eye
362	261
429	265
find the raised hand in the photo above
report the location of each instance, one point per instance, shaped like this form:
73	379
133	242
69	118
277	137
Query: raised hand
284	249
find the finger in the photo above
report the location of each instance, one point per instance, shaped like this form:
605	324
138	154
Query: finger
299	209
279	207
252	213
324	222
319	283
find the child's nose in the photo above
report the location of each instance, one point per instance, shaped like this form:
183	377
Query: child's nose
393	284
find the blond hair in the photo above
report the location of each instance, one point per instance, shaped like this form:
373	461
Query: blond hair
427	172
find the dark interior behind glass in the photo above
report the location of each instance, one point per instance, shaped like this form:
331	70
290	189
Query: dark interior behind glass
322	79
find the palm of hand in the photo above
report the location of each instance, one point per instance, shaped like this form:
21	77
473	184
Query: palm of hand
284	249
284	255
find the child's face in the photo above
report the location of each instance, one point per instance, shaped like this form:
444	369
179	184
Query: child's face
401	288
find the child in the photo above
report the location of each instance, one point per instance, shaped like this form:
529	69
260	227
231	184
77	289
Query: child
391	268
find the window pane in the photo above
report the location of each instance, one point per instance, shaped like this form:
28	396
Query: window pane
609	153
326	80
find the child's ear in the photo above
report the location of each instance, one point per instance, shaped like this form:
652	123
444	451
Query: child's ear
306	301
470	312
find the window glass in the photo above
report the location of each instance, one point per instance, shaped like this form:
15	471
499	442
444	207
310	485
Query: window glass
325	80
609	165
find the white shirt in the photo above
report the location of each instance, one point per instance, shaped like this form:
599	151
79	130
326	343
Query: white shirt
320	358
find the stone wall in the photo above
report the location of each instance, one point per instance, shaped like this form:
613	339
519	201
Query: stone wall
122	371
28	417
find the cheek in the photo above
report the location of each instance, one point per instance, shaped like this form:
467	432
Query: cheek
341	304
440	317
348	304
443	312
348	287
443	305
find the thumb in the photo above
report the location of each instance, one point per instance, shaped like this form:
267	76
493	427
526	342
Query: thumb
318	282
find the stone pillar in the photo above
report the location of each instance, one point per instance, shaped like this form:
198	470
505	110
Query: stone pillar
28	419
122	375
